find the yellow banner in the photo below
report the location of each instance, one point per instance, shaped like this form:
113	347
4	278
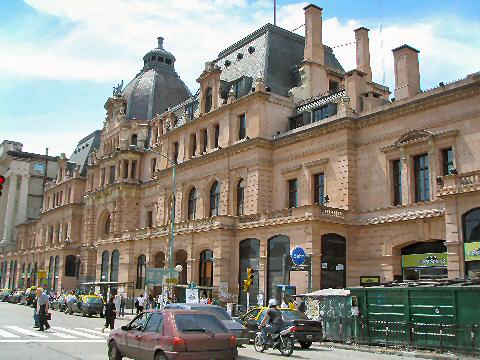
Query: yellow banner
424	260
472	251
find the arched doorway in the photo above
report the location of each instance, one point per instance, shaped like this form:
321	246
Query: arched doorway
114	265
205	273
424	260
278	248
104	266
141	270
333	260
55	273
248	257
471	238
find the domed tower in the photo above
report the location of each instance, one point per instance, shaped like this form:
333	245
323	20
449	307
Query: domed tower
156	88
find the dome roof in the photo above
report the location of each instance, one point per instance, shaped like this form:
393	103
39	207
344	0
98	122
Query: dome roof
156	87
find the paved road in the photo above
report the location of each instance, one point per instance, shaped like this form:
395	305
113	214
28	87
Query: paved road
74	337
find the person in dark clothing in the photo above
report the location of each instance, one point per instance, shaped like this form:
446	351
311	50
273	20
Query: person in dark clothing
42	309
110	314
122	305
273	318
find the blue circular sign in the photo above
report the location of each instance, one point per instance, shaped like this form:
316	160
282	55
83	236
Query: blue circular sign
298	255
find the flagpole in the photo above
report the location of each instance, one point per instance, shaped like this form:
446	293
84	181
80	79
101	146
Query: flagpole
274	12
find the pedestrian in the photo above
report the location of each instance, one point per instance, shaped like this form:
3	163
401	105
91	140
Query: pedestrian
72	299
35	313
203	299
110	314
150	302
122	305
141	303
42	310
117	301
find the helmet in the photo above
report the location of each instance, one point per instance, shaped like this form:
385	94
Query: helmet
272	302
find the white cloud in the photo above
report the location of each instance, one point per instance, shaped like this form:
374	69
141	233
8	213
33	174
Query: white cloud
108	38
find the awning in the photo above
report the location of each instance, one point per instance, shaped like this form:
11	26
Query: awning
328	292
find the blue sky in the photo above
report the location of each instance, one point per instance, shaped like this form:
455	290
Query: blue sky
60	58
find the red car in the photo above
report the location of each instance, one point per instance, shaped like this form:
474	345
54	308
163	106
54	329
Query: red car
172	335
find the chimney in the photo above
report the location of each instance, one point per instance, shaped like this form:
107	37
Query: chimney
363	52
407	74
46	151
313	34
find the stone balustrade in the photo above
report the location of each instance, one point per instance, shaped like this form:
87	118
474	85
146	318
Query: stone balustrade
459	183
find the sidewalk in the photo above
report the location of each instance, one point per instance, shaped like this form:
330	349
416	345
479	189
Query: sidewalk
422	354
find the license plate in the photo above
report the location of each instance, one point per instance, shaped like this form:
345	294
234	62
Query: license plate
309	337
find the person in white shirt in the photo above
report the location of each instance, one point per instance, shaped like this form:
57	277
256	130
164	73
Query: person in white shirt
141	303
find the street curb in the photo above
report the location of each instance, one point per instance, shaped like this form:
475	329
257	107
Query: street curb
389	351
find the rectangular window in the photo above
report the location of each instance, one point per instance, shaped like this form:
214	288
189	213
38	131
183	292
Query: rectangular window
125	169
102	181
217	136
111	178
319	188
292	193
205	140
154	166
149	218
422	178
190	112
175	152
40	167
242	126
397	182
320	113
193	148
447	161
133	172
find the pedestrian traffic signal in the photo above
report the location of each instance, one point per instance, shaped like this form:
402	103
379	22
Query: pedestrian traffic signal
2	181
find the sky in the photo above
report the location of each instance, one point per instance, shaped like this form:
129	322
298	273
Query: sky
59	59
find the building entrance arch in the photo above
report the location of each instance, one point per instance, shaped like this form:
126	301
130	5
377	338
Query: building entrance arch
333	261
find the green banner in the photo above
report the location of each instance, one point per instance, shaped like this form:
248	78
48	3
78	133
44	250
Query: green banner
472	251
424	260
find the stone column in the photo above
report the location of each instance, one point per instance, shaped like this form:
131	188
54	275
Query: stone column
453	237
405	167
9	215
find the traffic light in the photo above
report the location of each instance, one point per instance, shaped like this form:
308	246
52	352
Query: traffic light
2	181
247	283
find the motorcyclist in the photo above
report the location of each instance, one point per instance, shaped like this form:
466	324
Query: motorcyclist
272	322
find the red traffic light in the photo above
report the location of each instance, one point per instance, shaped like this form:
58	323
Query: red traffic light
2	179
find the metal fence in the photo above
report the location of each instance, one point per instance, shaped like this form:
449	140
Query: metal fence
438	337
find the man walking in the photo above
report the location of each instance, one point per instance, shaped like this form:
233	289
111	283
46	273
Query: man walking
110	314
35	313
71	299
42	309
122	305
141	303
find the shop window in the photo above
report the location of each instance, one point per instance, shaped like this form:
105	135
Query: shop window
471	238
114	265
249	255
397	182
424	260
278	246
422	178
104	268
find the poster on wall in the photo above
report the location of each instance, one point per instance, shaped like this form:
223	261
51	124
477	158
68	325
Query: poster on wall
223	290
472	251
191	296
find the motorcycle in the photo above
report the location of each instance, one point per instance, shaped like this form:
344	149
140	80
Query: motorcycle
283	341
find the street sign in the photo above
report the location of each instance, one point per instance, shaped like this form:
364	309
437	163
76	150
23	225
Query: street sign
171	280
298	255
158	276
304	266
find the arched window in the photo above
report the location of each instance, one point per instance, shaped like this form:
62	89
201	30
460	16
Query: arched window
181	259
104	269
208	100
55	273
278	247
141	267
159	259
206	268
106	229
240	197
70	264
50	234
249	254
214	198
50	272
471	238
114	264
192	204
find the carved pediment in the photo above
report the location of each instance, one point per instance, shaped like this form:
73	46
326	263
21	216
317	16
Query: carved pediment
414	135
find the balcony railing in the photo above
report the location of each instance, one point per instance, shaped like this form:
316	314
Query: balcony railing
461	183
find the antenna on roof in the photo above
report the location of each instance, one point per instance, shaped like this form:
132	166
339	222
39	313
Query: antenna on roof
274	12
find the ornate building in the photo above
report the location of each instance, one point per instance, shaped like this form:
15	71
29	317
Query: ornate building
279	147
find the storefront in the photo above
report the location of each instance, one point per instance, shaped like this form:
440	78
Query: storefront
472	259
424	266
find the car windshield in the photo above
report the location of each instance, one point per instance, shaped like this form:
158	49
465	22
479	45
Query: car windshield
94	300
218	312
199	323
293	315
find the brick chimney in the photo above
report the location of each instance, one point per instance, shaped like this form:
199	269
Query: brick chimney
407	74
313	34
363	52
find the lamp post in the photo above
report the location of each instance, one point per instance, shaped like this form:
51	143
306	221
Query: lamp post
172	213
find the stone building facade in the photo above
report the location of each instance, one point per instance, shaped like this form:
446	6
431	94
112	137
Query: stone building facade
279	147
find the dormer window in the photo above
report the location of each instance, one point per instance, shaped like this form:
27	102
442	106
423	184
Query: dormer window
228	63
134	140
239	56
161	59
208	100
154	58
168	61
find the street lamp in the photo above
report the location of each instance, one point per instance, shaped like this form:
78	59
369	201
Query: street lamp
172	215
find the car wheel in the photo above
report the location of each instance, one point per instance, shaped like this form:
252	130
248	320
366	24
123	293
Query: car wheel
160	356
305	344
113	352
84	314
258	343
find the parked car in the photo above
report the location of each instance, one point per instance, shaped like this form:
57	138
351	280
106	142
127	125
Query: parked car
172	334
16	297
237	329
88	305
5	294
60	303
306	330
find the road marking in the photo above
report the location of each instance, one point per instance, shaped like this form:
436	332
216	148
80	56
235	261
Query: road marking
61	335
26	332
93	331
6	334
52	341
74	332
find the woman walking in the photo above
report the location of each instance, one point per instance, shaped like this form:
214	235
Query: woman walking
110	315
